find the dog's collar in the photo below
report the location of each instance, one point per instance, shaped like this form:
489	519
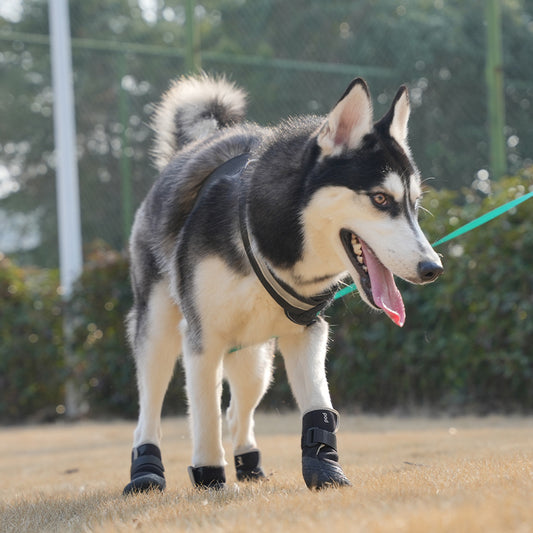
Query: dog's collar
299	309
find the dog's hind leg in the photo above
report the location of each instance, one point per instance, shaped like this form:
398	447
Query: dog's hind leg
249	372
203	373
305	356
156	344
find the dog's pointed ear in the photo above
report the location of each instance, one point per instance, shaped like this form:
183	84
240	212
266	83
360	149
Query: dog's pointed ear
348	122
394	122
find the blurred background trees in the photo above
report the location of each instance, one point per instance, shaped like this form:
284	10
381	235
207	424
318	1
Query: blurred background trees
292	58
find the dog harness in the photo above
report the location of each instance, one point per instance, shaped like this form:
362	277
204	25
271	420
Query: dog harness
301	310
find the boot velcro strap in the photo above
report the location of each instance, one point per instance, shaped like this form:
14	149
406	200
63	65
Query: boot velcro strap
147	464
316	436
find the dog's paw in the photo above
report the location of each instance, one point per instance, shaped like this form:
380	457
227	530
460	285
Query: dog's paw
248	466
323	473
147	471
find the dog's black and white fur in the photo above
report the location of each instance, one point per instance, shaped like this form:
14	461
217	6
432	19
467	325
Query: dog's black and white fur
322	199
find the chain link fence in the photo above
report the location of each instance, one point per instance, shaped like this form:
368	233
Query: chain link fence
292	57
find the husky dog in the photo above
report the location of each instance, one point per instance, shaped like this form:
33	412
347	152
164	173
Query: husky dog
242	242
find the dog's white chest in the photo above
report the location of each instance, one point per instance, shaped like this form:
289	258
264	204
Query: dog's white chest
236	309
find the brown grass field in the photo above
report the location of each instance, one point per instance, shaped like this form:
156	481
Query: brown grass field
408	474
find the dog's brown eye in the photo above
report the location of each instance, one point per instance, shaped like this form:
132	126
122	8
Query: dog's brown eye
380	199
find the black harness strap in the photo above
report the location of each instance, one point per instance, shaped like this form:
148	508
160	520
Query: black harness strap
232	168
299	309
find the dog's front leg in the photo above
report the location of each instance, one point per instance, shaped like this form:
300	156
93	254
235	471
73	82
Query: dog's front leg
305	357
203	373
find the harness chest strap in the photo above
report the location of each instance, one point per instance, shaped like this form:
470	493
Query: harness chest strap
298	309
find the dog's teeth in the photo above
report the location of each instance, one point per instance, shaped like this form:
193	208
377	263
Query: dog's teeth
356	245
358	252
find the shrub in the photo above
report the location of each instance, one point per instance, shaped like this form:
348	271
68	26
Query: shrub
31	359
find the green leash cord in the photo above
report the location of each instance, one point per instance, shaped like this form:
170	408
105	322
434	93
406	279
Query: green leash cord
484	218
487	217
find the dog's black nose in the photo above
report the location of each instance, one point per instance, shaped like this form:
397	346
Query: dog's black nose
429	271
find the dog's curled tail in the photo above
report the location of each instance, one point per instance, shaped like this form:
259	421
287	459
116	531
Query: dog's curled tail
193	108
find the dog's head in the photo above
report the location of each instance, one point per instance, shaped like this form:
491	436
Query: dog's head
366	188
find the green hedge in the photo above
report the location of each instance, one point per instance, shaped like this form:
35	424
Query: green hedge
467	342
31	360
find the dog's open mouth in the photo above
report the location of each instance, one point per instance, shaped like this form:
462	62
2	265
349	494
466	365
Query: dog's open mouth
375	279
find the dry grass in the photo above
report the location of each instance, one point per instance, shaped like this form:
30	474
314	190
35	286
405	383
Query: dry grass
409	475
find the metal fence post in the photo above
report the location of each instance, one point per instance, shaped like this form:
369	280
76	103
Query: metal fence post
126	187
494	77
192	51
68	197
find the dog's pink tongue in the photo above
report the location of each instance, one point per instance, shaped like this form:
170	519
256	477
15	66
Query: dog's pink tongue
386	294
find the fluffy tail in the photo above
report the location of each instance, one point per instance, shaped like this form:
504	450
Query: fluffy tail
192	109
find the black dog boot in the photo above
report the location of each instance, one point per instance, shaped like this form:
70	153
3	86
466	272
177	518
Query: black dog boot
147	472
207	477
248	466
320	461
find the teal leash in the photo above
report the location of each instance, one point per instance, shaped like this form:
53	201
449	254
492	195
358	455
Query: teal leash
487	217
483	219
